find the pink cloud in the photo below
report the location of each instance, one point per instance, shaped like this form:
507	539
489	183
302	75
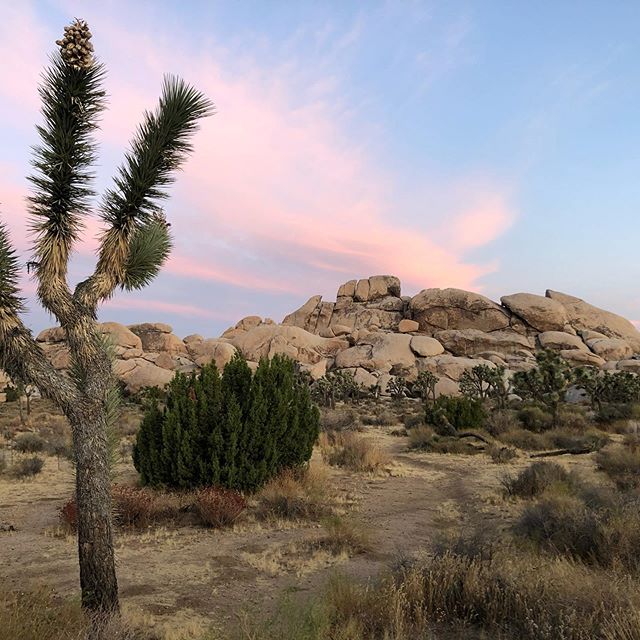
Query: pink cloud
278	196
169	307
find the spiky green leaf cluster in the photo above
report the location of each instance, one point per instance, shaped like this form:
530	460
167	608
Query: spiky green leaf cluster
149	248
10	302
161	144
72	100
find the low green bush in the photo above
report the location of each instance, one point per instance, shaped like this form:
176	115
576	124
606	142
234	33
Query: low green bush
236	430
460	412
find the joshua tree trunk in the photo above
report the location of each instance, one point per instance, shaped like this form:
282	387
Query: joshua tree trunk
93	493
133	247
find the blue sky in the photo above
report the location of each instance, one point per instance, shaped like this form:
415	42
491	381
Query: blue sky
486	145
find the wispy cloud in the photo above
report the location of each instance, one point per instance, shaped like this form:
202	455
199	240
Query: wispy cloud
279	196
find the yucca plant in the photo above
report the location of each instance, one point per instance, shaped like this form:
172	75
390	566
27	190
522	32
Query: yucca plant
134	245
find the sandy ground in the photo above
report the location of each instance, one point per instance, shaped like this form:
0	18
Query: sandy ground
189	578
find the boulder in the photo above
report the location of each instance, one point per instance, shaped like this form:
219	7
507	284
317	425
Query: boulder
210	350
610	348
382	287
355	357
629	365
425	346
559	340
140	373
583	315
362	291
469	342
347	290
408	326
543	314
120	336
340	330
450	366
157	337
266	340
582	358
441	309
52	335
389	350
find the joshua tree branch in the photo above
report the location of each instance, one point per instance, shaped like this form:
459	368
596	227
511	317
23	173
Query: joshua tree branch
131	208
72	101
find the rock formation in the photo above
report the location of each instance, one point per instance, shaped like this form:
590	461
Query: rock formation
374	332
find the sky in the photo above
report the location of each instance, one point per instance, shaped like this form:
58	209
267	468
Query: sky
491	145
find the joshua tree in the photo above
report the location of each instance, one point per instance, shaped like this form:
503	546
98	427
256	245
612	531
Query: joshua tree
134	244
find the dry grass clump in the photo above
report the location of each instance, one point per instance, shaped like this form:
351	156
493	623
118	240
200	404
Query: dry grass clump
28	442
296	495
604	531
501	455
26	467
380	417
506	594
41	615
524	439
499	422
338	419
622	463
344	536
352	451
217	507
558	438
536	479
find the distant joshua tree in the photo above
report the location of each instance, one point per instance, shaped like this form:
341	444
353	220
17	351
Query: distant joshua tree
134	245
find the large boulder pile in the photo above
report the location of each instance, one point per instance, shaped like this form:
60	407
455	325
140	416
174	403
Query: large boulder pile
375	333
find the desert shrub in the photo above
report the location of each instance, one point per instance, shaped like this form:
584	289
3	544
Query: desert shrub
11	394
424	438
336	386
217	507
524	439
132	506
383	418
353	451
571	416
604	532
236	430
610	413
421	437
502	455
621	463
536	479
295	495
28	442
3	463
461	413
338	419
413	420
535	418
60	447
499	422
344	536
68	515
563	438
27	467
506	595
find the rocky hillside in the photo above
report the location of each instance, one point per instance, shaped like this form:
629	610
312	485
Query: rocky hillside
376	333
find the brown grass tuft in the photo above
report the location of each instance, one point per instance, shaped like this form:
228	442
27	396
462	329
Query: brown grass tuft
352	451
